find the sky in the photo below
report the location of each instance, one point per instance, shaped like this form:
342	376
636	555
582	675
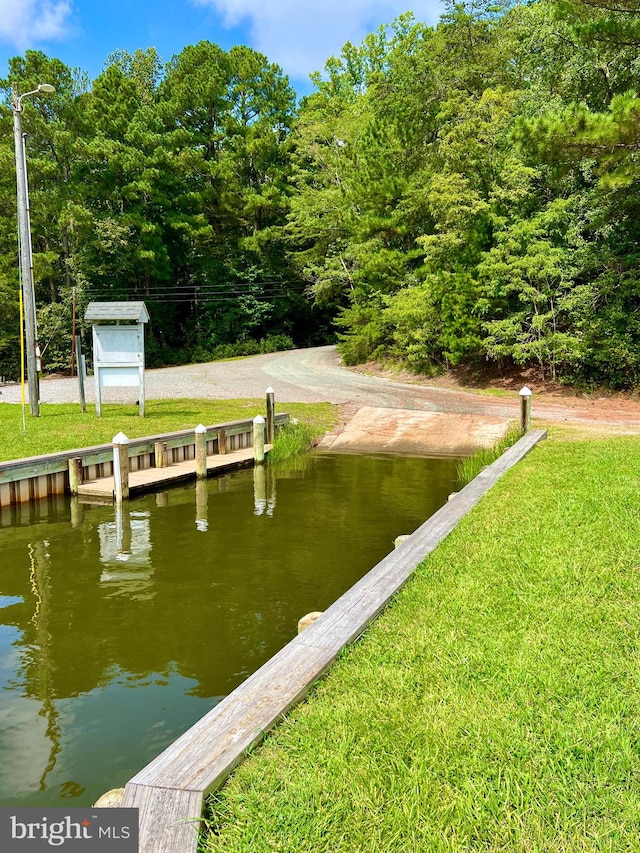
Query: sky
299	35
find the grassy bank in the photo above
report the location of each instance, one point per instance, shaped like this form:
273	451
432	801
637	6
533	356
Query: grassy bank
293	439
495	706
64	427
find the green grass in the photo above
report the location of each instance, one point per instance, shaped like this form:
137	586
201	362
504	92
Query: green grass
292	439
469	467
494	706
64	427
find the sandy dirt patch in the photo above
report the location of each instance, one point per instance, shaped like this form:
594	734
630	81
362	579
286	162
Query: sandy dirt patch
408	431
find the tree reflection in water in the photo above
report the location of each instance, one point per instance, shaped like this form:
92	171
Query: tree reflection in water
120	627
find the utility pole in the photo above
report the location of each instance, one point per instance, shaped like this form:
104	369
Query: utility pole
24	239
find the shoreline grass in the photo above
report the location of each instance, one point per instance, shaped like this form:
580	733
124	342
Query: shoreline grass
62	426
494	706
469	467
292	439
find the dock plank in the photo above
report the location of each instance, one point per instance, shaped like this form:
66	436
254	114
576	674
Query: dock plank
203	756
168	819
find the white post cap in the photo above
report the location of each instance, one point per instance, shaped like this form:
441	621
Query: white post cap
259	419
200	429
269	390
526	392
120	438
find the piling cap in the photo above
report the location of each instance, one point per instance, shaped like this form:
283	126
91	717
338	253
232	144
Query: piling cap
120	438
269	390
259	419
200	429
526	392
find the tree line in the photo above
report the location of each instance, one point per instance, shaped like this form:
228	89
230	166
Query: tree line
458	194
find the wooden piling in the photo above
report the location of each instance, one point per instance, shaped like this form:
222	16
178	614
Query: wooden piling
121	467
222	441
525	409
160	450
201	452
75	474
271	412
258	439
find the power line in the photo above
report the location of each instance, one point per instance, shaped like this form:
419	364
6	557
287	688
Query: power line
200	294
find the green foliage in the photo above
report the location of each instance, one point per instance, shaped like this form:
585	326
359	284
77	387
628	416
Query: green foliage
464	192
273	343
471	191
162	183
291	440
366	334
415	327
54	332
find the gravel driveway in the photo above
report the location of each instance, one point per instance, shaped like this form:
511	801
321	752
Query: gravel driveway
316	375
297	376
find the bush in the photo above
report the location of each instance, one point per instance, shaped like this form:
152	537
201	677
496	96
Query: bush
365	336
157	355
273	343
290	440
10	359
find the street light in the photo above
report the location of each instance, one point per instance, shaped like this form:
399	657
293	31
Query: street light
24	238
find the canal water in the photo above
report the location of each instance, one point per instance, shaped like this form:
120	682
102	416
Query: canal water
119	630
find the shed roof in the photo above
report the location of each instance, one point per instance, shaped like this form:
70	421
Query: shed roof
113	311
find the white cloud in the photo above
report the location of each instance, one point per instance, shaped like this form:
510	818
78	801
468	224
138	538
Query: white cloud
26	23
300	35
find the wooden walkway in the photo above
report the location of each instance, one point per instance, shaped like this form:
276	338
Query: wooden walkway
169	792
148	479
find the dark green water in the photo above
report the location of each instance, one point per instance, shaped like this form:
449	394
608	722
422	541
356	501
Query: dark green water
118	633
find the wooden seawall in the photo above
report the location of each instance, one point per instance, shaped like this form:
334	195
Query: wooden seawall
169	792
36	477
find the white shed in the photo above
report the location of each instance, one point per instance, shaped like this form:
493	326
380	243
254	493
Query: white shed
118	346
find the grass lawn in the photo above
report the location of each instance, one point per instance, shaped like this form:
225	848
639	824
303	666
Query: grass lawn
494	706
64	427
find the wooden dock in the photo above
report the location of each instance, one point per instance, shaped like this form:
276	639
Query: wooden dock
169	792
24	481
148	479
